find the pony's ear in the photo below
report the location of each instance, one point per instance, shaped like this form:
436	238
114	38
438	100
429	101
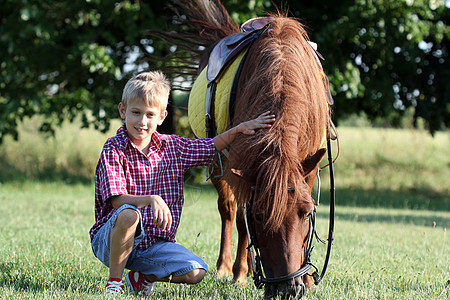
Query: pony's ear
248	175
311	162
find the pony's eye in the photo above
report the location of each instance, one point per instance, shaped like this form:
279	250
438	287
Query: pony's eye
258	217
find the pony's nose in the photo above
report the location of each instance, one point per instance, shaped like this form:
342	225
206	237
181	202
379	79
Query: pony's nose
299	289
293	289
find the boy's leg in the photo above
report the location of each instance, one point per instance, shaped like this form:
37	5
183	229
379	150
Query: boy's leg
113	239
122	241
167	261
192	277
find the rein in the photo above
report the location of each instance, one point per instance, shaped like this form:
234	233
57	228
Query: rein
258	276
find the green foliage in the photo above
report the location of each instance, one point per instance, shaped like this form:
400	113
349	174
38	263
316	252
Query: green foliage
241	11
384	56
61	59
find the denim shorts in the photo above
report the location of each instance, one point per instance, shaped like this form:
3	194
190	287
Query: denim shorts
162	259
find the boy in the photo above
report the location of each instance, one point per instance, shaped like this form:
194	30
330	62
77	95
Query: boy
139	190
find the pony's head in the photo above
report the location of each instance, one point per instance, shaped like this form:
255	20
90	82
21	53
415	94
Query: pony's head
283	242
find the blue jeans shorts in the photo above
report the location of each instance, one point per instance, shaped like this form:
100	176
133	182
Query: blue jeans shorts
162	259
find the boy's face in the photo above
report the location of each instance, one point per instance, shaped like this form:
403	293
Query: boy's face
141	121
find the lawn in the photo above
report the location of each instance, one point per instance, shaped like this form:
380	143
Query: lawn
379	253
392	216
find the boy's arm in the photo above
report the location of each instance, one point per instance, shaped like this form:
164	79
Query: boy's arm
161	212
223	140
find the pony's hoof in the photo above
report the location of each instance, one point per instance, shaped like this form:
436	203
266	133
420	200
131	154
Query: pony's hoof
242	282
223	272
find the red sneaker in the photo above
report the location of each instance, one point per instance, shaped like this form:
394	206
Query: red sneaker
113	288
137	282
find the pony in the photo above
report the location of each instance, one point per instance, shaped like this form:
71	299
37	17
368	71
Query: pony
275	169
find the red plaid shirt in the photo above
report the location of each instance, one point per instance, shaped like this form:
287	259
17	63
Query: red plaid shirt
124	169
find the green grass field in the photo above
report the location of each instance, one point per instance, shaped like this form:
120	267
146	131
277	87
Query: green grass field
378	253
392	216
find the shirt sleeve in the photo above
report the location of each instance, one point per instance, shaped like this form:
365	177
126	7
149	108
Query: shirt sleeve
196	152
110	174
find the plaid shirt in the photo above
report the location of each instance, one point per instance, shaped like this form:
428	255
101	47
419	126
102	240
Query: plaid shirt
124	169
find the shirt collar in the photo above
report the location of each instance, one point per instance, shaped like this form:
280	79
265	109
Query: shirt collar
158	140
122	134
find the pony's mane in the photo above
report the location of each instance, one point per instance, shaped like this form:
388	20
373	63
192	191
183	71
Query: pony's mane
199	24
280	75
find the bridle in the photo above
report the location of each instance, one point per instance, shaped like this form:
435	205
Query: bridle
258	275
258	26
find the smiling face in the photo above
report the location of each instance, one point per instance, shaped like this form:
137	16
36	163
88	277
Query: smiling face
141	121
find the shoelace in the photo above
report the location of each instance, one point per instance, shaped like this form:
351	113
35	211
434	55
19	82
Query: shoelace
147	287
114	287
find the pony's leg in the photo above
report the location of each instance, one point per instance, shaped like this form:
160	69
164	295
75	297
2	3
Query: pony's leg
227	208
242	262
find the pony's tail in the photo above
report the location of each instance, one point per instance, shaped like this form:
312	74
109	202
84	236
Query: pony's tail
197	26
209	16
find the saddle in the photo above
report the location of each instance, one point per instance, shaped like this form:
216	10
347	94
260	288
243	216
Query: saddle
225	51
221	105
229	47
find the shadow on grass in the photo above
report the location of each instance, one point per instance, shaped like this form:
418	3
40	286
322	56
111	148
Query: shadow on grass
406	205
23	279
46	177
403	207
397	218
416	200
409	199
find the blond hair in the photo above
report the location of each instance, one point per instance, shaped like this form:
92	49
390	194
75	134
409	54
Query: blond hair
151	87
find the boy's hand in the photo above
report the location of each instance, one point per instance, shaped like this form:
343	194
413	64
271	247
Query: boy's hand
162	217
224	139
264	120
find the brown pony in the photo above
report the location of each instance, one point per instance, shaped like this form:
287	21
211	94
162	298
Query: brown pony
280	75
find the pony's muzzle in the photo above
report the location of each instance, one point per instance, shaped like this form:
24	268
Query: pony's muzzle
292	289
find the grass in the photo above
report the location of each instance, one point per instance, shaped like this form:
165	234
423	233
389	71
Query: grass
377	254
392	216
394	159
405	161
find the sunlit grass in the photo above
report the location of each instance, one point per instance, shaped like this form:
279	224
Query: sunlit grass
392	215
405	160
378	253
394	159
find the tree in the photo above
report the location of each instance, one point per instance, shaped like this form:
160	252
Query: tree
61	59
384	56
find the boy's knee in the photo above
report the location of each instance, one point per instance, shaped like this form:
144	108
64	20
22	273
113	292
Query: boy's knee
195	276
127	218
